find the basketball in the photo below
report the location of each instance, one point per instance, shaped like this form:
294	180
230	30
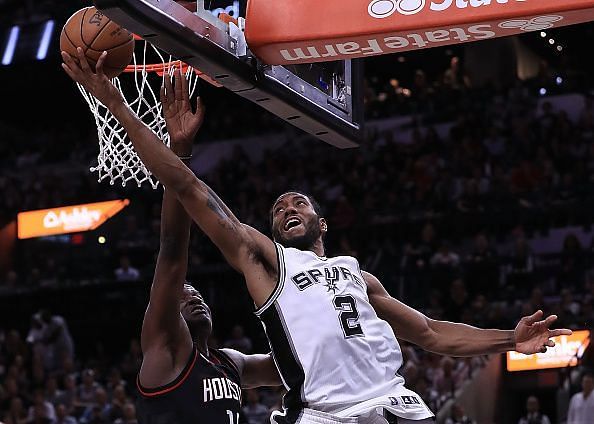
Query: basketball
94	32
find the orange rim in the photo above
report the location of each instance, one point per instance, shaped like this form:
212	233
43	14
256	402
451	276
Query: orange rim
160	68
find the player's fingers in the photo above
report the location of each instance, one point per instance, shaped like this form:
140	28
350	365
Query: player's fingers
550	343
169	96
178	85
99	65
550	320
200	109
82	59
531	319
560	332
543	349
69	72
69	60
184	87
162	94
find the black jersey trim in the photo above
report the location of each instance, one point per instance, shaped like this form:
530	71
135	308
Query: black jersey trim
289	366
280	260
287	417
179	380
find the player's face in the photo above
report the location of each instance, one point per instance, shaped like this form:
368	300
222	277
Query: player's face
295	223
194	310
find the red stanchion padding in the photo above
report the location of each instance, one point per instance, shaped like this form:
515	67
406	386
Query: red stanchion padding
303	31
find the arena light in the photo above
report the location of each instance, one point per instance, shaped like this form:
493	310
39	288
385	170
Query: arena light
45	40
13	38
566	353
67	219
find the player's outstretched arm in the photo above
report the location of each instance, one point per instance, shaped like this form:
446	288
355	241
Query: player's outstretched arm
531	335
256	370
165	339
246	249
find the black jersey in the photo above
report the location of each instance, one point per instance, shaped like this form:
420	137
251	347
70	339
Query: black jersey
208	391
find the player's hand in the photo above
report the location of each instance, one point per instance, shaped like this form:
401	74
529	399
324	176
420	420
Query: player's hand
182	122
95	82
533	334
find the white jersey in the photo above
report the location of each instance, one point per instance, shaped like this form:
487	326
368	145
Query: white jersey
331	349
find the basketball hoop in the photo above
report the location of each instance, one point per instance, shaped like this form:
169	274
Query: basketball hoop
117	159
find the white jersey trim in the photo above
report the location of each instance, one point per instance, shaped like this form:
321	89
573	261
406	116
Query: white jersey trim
280	260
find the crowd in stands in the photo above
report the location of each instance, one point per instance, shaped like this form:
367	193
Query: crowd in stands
445	221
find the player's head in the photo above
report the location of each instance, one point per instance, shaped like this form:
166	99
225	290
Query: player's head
296	220
195	312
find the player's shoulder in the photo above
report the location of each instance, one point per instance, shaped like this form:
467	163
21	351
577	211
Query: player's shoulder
234	358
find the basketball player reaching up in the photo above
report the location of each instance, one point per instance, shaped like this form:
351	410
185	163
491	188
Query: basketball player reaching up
181	379
331	326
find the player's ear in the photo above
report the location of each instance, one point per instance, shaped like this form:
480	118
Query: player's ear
323	225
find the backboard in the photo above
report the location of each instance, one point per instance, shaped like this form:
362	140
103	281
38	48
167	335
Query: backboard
323	99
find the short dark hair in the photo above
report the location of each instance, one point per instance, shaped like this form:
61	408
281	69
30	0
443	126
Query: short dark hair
193	286
314	203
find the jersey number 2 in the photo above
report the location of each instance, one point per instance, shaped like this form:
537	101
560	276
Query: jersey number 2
349	316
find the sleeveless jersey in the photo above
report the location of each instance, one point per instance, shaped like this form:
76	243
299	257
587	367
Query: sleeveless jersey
329	345
207	391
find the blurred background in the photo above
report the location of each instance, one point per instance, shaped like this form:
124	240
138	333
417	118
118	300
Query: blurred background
471	198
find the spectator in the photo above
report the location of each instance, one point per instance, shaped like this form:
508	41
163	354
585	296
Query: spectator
52	393
458	302
454	77
255	412
445	257
482	267
572	270
581	406
239	341
11	281
69	396
57	339
521	266
458	416
119	401
533	414
132	360
87	390
17	414
129	415
114	379
126	272
62	416
445	265
98	412
447	379
41	411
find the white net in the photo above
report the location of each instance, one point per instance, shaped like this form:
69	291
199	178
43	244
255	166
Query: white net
117	160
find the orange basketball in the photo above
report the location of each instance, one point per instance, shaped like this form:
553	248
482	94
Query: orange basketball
94	32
